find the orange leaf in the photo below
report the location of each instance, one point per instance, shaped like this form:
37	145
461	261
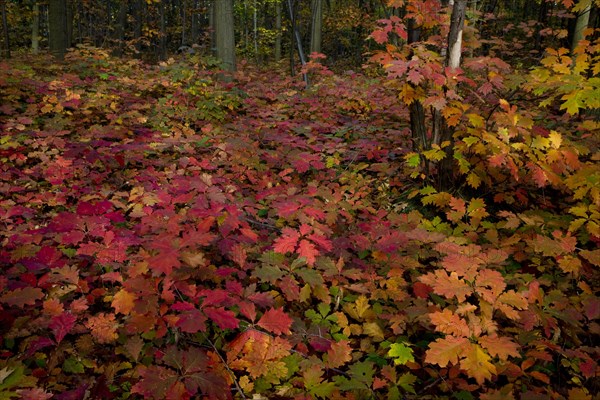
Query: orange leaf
338	354
447	350
103	327
502	347
123	302
448	322
447	285
276	321
477	364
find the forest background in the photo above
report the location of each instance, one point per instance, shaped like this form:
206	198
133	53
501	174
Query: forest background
299	199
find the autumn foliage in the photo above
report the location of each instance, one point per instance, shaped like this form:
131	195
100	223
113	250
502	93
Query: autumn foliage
169	235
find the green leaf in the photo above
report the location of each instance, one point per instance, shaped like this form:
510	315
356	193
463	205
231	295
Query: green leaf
471	140
406	382
413	160
73	366
400	353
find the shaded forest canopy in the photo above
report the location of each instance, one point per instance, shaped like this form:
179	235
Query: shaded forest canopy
299	199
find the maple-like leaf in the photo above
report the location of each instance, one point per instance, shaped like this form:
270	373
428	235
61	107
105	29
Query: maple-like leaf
447	350
448	322
287	241
195	371
338	354
276	321
166	258
415	77
447	285
156	382
22	296
477	364
103	327
308	250
224	319
401	353
61	325
262	354
123	302
499	346
380	35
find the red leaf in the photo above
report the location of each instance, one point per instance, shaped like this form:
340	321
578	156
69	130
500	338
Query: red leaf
224	319
22	296
422	290
307	250
276	321
167	257
61	325
287	241
414	77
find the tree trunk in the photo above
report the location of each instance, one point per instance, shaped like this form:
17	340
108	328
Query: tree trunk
35	28
5	30
57	28
162	42
225	35
278	31
120	31
583	19
457	22
417	113
316	26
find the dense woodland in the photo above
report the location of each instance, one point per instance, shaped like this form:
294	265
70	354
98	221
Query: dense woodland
300	199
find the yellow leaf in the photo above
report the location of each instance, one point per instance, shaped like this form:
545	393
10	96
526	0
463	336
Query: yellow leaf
477	364
373	330
570	264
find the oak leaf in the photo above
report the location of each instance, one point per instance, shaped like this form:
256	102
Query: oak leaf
448	322
339	353
61	325
123	302
447	350
447	285
22	296
499	346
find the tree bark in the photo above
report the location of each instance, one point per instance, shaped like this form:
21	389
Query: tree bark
162	42
5	30
225	35
316	26
457	22
278	31
583	19
57	29
35	28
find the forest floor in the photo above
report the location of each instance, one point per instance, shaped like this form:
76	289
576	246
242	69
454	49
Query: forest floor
147	209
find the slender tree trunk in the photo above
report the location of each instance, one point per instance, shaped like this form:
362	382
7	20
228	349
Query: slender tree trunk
183	16
225	35
57	34
35	28
69	17
162	43
583	19
138	25
278	31
5	30
316	26
255	30
120	32
213	30
457	21
296	37
417	113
